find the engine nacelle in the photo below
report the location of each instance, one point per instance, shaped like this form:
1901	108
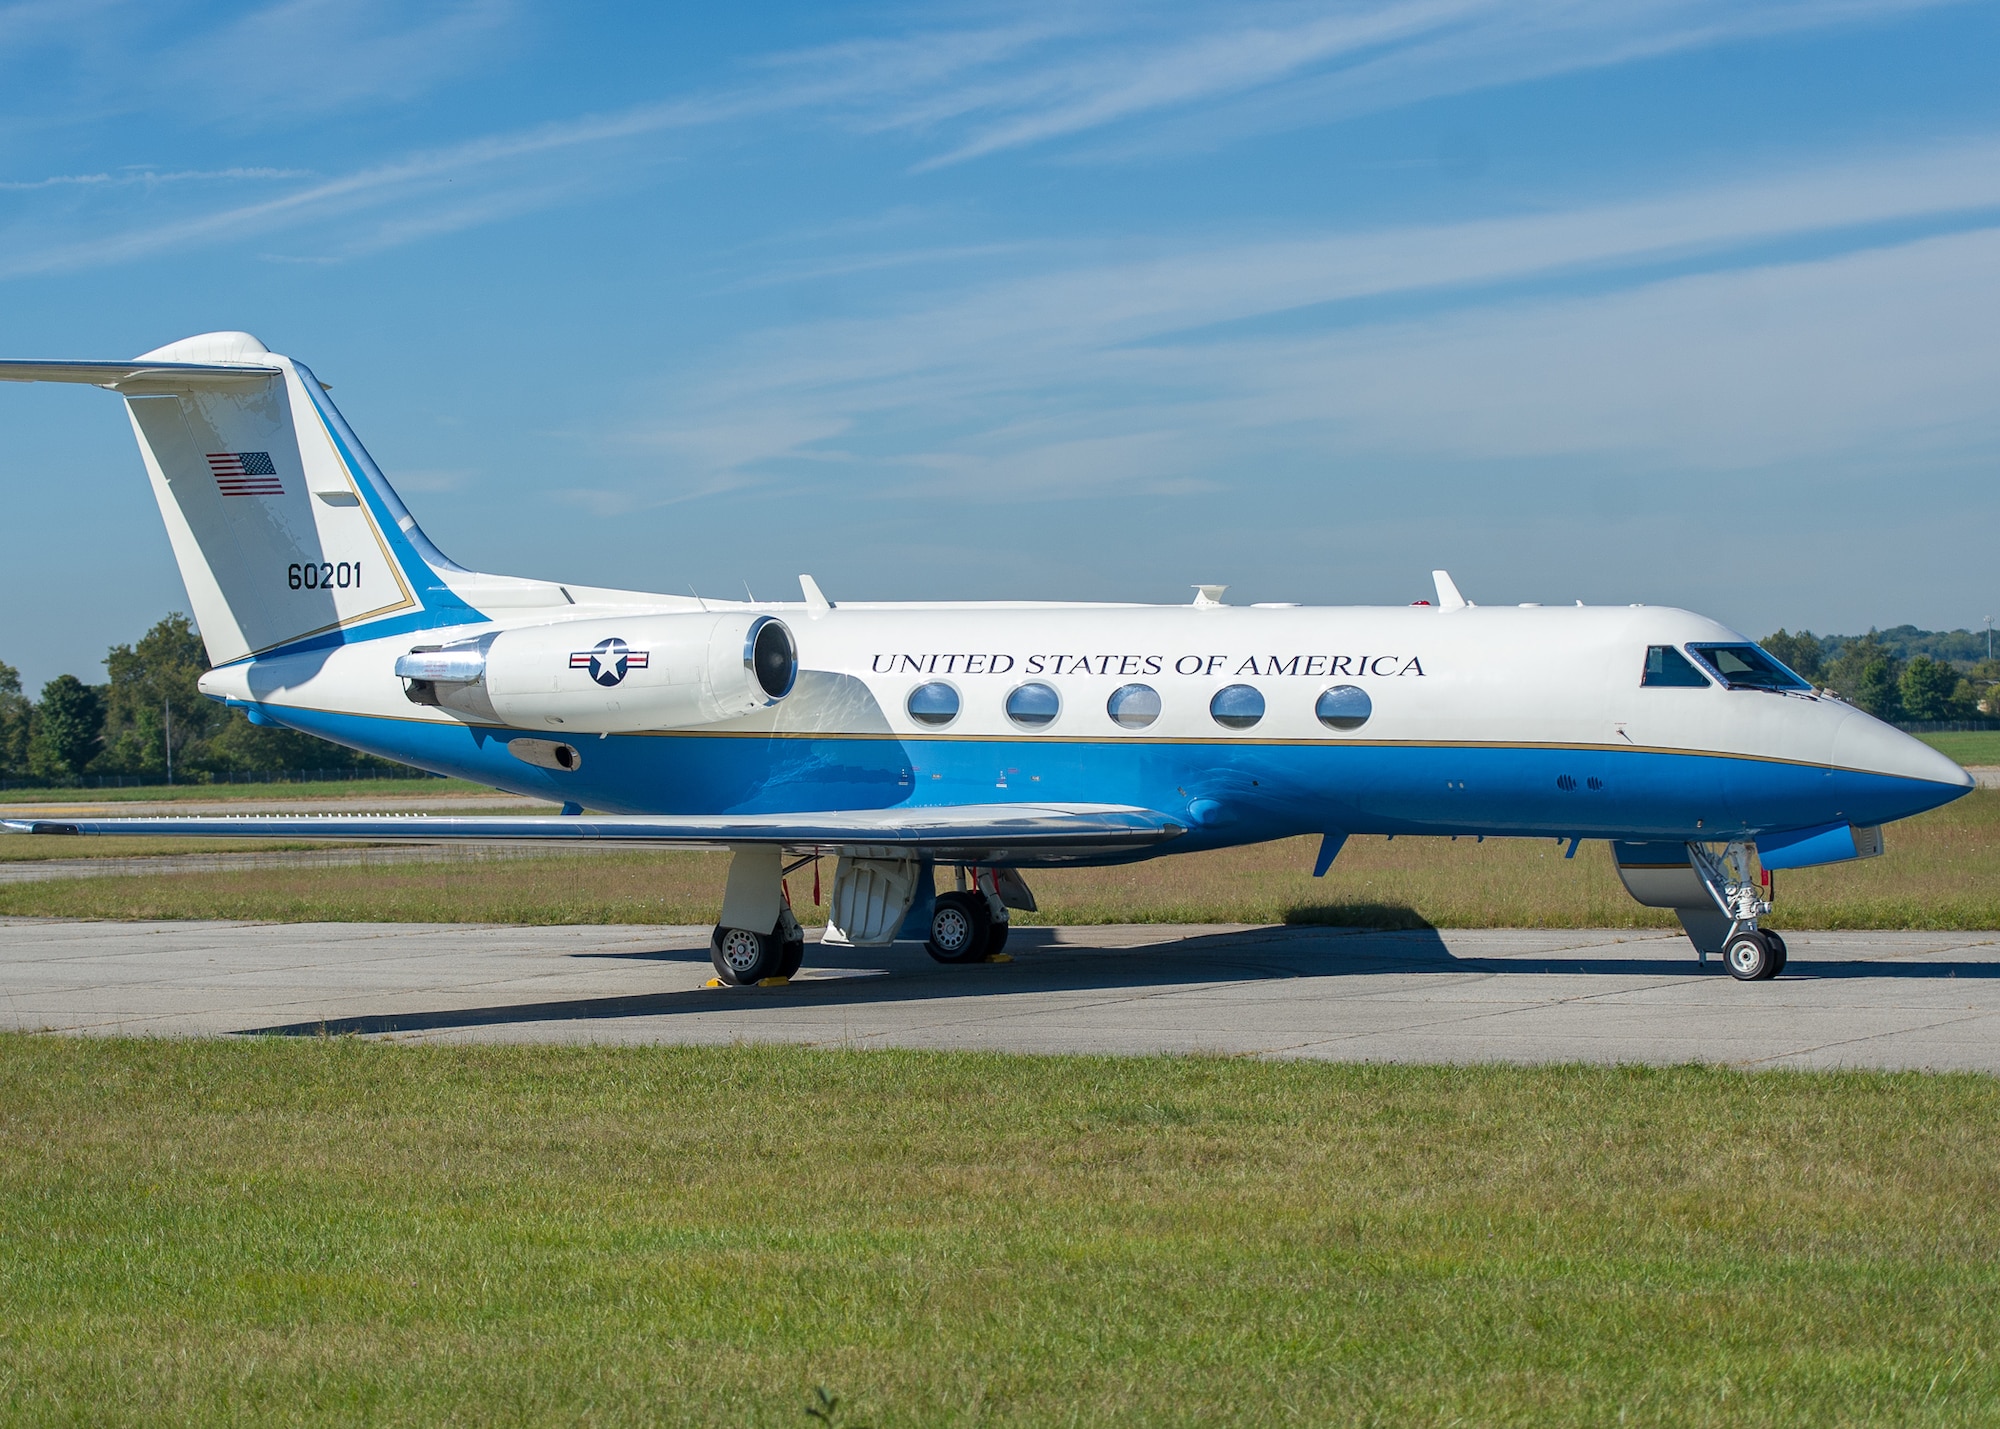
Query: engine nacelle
612	676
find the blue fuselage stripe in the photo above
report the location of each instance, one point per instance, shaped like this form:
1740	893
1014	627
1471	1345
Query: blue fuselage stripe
1230	792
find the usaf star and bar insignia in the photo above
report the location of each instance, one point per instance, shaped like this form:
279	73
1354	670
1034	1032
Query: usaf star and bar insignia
608	660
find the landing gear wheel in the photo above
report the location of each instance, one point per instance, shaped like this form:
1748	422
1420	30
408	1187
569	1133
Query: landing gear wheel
792	958
996	940
961	927
1749	957
1777	951
742	957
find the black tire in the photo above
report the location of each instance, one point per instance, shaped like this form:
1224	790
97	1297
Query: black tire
742	957
1777	951
793	958
996	940
1748	957
961	927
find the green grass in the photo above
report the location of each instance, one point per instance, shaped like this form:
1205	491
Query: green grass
1942	871
345	1232
1970	747
213	793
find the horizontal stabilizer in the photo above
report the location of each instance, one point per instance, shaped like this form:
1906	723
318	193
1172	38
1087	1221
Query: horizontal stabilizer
117	375
995	833
284	528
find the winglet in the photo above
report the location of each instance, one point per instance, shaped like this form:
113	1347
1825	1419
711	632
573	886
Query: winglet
816	602
1448	596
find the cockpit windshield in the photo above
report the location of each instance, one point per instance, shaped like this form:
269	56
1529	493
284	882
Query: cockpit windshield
1666	666
1747	667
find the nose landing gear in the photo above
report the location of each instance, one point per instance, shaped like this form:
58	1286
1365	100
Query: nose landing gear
1751	954
1754	955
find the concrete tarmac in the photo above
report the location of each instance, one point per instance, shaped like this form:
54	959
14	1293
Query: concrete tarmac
1888	1000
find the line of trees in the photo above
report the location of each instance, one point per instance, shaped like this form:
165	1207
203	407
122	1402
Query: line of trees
1892	675
124	725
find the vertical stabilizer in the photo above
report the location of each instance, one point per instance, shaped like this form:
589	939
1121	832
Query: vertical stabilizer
282	525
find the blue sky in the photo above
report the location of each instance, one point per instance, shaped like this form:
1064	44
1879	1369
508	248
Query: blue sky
1670	301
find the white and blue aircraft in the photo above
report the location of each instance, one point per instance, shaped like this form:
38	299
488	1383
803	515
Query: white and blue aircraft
982	737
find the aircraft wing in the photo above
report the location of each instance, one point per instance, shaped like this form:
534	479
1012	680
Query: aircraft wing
972	833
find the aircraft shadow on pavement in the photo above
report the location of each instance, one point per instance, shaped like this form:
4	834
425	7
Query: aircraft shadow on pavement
871	976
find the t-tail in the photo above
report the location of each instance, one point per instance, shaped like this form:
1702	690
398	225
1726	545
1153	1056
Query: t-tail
285	530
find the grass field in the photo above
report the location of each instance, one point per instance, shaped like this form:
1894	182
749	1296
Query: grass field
1942	871
1972	747
345	1232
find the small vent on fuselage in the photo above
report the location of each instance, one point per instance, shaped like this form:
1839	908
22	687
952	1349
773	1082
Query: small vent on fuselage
1566	782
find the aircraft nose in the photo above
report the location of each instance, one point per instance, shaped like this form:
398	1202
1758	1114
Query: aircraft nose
1865	743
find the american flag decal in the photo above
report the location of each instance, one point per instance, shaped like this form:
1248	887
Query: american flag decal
245	474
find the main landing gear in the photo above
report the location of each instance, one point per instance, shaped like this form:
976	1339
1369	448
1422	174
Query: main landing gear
756	939
969	925
964	930
742	956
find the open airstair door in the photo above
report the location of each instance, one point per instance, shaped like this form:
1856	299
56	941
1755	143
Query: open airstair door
281	525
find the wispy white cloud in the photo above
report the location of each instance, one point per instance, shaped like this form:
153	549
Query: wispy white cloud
1856	356
1820	380
1123	376
1099	307
275	63
148	178
406	183
1282	67
953	95
1137	77
807	270
304	58
1493	45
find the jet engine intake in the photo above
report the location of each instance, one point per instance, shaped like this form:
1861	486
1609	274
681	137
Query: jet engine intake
612	676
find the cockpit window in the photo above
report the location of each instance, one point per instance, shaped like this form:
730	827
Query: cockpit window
1667	666
1747	667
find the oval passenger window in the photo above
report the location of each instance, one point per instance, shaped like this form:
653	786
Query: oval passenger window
934	704
1133	706
1034	706
1237	706
1344	707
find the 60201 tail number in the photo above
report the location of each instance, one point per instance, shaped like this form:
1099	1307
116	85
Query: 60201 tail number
324	575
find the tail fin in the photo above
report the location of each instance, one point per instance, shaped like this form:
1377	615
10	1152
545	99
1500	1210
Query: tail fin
284	528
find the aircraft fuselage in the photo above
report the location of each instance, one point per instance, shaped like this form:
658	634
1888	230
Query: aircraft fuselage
1480	721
